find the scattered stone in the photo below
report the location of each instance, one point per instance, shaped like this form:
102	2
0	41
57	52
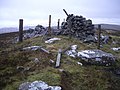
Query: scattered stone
79	63
116	49
72	52
105	39
21	68
51	61
32	48
61	70
38	85
89	39
74	47
44	50
24	86
52	40
36	60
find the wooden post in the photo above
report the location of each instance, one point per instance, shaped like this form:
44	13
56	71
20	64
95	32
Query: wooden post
99	32
64	20
58	58
49	28
20	30
58	24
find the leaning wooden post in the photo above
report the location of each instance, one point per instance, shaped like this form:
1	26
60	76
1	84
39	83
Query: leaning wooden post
20	30
58	24
99	32
58	58
49	28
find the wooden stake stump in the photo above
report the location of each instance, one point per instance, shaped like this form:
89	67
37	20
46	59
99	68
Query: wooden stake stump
20	30
49	27
58	24
99	32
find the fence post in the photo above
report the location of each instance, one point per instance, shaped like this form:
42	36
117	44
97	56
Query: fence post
49	27
99	32
20	30
58	24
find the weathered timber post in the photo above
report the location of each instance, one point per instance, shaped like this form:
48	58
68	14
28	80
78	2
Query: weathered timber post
49	28
20	30
99	32
58	24
58	58
65	12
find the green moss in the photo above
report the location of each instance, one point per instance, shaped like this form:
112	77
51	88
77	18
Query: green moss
13	86
47	75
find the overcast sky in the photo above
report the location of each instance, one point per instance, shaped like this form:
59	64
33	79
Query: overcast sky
37	11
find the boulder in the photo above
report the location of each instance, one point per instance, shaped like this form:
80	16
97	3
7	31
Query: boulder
97	57
37	85
116	49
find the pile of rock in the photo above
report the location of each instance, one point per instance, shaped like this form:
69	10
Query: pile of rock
37	85
79	27
38	31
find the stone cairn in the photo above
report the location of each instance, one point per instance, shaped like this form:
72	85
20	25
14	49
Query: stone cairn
78	26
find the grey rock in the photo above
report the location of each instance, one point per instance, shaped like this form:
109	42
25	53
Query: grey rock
52	40
38	85
36	60
31	48
52	61
23	69
116	49
24	86
96	57
74	47
90	38
34	48
72	52
79	63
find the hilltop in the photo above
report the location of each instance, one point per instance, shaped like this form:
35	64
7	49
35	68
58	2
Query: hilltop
70	75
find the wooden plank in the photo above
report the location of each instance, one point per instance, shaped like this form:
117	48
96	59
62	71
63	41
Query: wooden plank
58	58
20	30
99	32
